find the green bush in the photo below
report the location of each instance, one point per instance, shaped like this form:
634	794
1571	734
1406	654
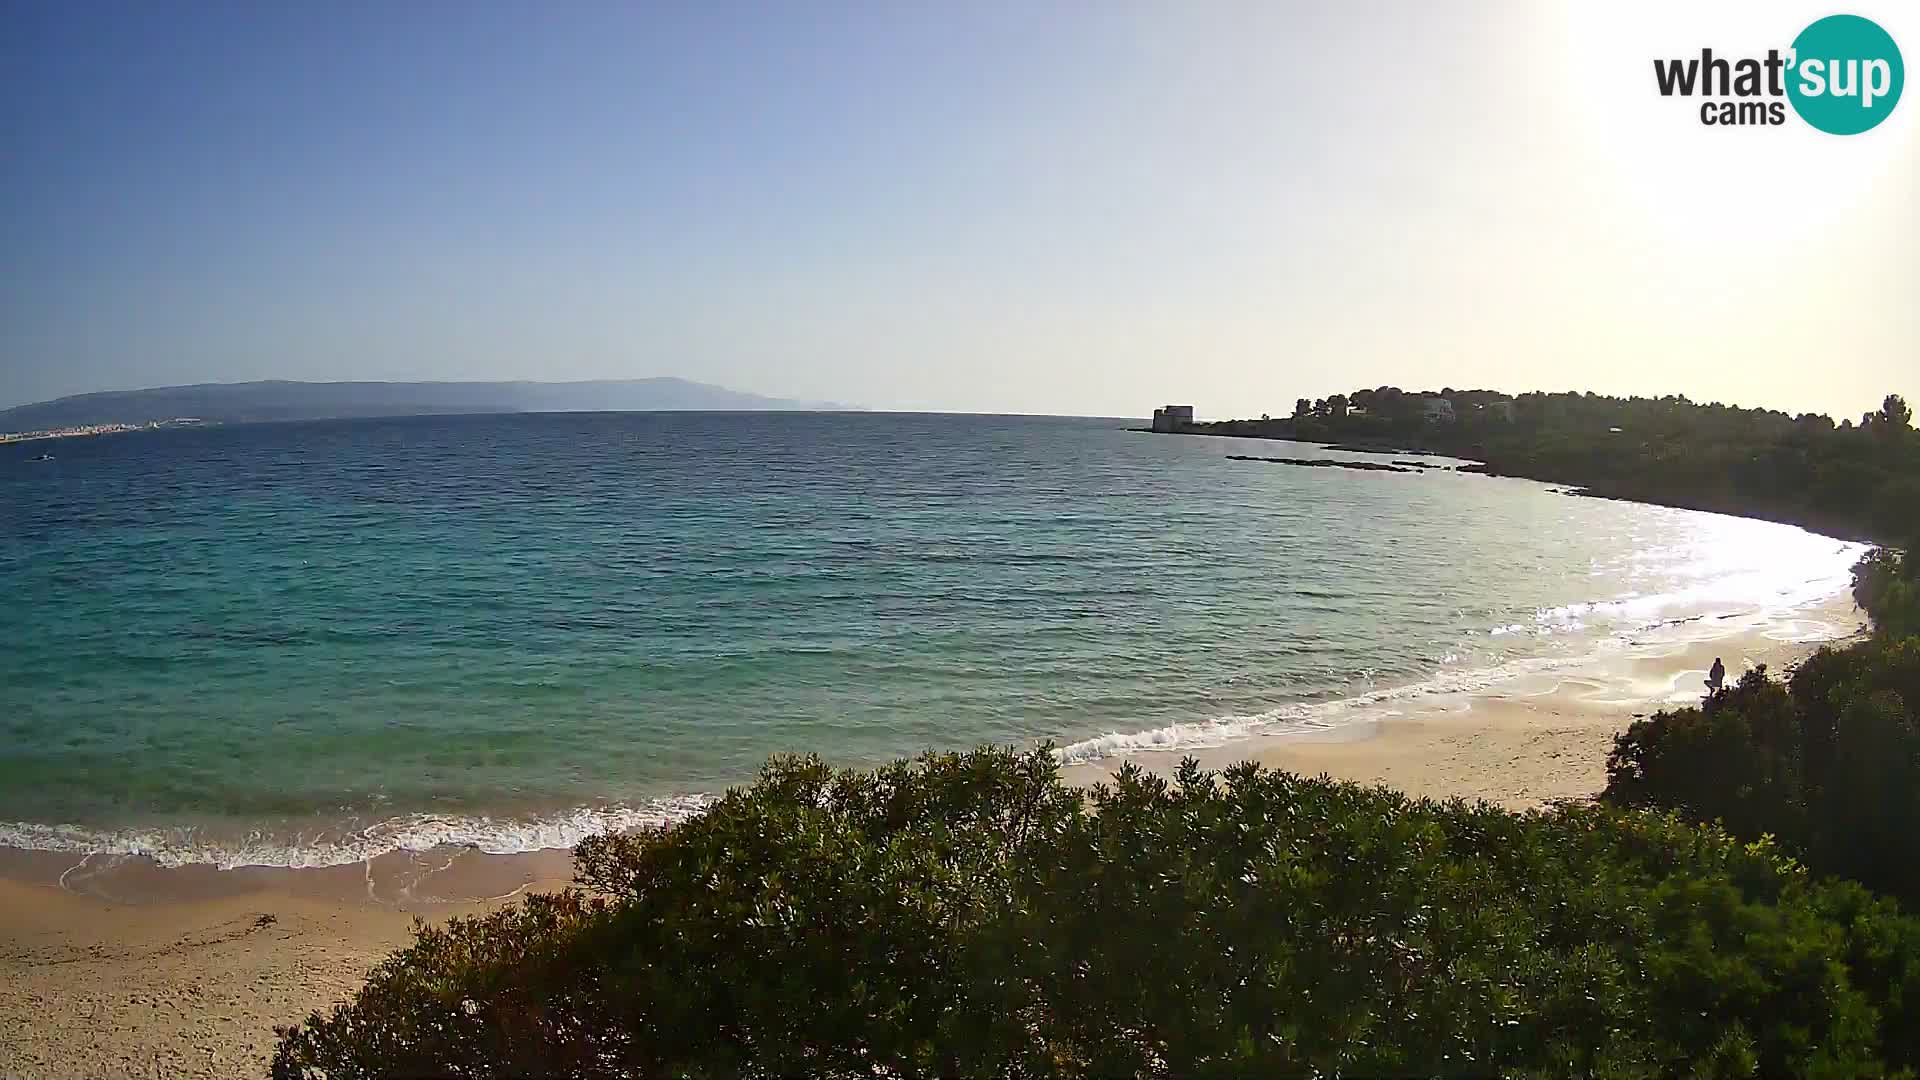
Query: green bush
970	915
1829	763
1885	587
1735	760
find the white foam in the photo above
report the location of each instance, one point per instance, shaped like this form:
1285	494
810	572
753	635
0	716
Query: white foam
1305	718
189	846
1770	606
1215	732
1784	619
1758	572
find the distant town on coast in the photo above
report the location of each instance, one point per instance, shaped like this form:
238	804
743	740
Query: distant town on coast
95	429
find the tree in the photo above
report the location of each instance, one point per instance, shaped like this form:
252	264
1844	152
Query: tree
1302	407
1886	585
1337	405
1895	418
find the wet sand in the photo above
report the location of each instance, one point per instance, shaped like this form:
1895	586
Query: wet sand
110	966
1530	742
127	969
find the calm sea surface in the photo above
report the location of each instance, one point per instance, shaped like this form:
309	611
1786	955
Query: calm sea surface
305	643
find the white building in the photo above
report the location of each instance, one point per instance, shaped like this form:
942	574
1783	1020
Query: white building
1437	410
1172	417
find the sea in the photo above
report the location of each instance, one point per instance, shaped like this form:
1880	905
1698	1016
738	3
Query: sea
307	644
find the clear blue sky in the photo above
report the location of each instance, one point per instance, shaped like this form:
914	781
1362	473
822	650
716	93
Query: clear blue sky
1089	208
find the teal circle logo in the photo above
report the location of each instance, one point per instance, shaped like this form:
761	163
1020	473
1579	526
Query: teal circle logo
1846	74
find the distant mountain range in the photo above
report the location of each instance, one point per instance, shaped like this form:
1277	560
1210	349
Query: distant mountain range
237	403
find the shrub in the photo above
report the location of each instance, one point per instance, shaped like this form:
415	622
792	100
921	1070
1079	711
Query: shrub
970	915
1885	587
1736	759
1829	763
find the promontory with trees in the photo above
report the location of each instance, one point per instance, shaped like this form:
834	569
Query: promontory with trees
1858	480
1736	903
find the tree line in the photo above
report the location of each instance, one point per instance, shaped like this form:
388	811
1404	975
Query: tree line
1859	480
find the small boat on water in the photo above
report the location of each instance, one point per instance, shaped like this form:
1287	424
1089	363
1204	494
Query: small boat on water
44	457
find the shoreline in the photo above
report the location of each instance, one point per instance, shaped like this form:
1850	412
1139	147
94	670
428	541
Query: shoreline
112	965
387	857
1537	739
405	861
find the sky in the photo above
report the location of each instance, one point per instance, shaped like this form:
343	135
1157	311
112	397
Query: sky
1035	207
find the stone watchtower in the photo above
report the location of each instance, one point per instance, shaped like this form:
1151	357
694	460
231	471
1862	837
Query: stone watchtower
1172	417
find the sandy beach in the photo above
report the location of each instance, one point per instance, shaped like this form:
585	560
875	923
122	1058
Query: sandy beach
1530	741
112	967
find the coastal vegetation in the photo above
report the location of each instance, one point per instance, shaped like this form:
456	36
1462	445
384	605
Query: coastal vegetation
1857	480
971	915
1827	762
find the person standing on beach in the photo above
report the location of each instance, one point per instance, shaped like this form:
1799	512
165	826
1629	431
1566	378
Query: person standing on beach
1717	676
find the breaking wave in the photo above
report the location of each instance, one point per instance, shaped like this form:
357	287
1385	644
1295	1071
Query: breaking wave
1775	609
1784	619
186	846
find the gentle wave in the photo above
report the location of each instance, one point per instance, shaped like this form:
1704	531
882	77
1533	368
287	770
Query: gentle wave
1304	718
174	847
1783	619
1758	596
1207	733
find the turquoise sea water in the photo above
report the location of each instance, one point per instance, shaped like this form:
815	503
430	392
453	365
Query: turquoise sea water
306	643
